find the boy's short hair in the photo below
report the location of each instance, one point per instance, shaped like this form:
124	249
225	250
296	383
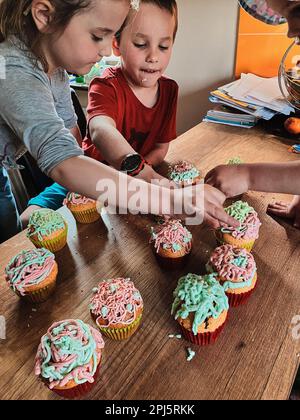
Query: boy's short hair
169	5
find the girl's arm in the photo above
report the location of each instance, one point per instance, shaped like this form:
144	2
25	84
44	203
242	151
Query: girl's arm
234	180
82	174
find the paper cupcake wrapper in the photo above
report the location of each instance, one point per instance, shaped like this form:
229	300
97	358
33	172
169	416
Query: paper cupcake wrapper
171	263
55	244
121	333
202	339
248	245
79	390
87	216
40	295
239	299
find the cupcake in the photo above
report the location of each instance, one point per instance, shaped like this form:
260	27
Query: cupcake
200	307
32	274
117	308
83	209
68	358
246	234
47	229
236	271
171	244
184	173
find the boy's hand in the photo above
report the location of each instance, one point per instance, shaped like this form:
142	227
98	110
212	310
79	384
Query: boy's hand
287	210
232	180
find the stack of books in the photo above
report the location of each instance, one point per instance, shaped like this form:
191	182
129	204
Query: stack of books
254	97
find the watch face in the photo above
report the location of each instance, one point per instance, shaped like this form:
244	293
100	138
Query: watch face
131	163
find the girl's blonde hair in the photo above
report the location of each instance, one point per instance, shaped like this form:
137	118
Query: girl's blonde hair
16	19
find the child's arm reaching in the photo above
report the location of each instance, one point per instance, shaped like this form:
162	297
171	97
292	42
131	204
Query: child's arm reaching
114	147
158	154
82	174
234	180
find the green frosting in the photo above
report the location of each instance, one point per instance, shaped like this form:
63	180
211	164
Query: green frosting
44	222
202	296
67	345
184	176
235	161
239	210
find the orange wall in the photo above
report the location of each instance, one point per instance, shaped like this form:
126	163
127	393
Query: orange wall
260	46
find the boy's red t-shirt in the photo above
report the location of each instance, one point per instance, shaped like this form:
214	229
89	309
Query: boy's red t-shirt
142	127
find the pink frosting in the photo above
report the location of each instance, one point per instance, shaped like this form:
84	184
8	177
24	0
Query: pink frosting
171	235
116	301
249	228
222	262
29	268
60	360
77	199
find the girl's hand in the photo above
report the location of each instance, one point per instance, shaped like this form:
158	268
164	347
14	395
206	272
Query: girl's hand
287	210
232	180
203	204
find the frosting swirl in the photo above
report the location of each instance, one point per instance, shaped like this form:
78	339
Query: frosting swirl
44	222
171	235
201	296
248	218
183	171
233	265
29	268
116	301
70	350
77	199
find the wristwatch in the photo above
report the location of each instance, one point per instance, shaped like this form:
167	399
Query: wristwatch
133	164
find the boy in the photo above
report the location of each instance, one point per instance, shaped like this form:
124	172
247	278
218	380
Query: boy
132	109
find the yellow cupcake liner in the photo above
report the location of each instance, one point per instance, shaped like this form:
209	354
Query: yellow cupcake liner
121	333
87	216
39	295
240	243
55	244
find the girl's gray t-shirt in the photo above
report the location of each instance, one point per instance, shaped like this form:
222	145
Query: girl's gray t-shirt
36	111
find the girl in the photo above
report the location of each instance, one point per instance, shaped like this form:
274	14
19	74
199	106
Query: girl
39	41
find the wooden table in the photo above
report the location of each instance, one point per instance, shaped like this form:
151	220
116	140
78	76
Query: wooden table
255	357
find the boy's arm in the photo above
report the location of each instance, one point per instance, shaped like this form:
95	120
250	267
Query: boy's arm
234	180
114	147
158	154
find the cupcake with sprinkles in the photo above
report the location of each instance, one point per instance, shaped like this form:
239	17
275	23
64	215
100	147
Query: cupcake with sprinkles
85	210
236	271
117	308
184	173
246	234
68	358
47	229
32	274
171	244
200	307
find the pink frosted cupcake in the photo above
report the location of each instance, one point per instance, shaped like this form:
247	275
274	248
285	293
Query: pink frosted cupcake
184	173
85	210
32	274
246	234
236	271
117	308
68	358
171	244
